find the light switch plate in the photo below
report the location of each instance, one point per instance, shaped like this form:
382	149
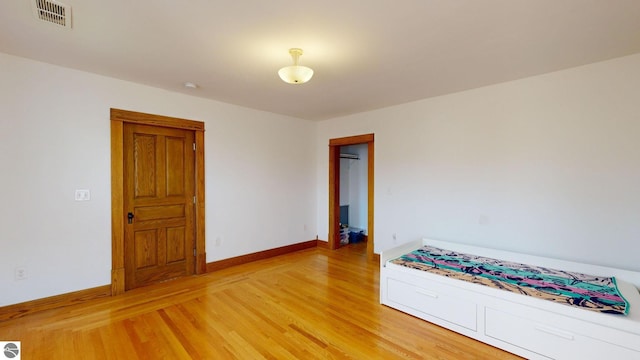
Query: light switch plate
83	195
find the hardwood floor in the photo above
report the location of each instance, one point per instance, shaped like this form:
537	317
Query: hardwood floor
312	304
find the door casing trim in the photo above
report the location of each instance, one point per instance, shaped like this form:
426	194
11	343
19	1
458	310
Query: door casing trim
118	118
334	187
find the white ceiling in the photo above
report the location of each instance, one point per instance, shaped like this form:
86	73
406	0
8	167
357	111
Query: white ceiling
366	54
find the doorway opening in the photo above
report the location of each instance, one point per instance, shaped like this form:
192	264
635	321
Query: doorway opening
350	143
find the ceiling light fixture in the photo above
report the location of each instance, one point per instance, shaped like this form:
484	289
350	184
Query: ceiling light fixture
295	74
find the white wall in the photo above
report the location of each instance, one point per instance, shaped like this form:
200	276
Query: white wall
54	138
345	183
548	165
353	185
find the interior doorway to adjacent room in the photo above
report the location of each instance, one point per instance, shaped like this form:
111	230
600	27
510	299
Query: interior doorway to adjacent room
350	149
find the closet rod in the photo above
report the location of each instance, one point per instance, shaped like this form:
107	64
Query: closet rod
349	156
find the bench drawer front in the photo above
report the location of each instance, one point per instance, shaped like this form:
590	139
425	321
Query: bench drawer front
549	339
435	300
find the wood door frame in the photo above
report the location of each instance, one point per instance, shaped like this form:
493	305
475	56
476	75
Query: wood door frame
118	119
334	187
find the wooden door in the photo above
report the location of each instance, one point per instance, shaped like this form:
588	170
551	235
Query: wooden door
159	195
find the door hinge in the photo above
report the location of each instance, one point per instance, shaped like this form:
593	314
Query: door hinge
194	200
194	252
194	146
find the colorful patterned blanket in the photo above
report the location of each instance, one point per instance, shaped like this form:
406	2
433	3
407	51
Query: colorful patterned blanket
594	293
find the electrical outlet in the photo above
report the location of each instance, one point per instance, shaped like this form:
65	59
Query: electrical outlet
21	273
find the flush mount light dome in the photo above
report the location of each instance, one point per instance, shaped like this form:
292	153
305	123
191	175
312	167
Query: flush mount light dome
295	74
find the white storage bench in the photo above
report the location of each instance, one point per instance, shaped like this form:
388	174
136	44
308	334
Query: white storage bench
524	325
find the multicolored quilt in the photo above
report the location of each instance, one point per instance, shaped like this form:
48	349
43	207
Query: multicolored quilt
589	292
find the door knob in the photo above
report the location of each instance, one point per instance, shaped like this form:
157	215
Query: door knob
130	218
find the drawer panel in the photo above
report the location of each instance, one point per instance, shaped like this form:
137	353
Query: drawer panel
549	339
433	299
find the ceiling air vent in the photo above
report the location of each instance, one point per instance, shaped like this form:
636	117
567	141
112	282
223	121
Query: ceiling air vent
52	12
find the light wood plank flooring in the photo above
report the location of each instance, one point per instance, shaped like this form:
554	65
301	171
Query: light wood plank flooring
312	304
